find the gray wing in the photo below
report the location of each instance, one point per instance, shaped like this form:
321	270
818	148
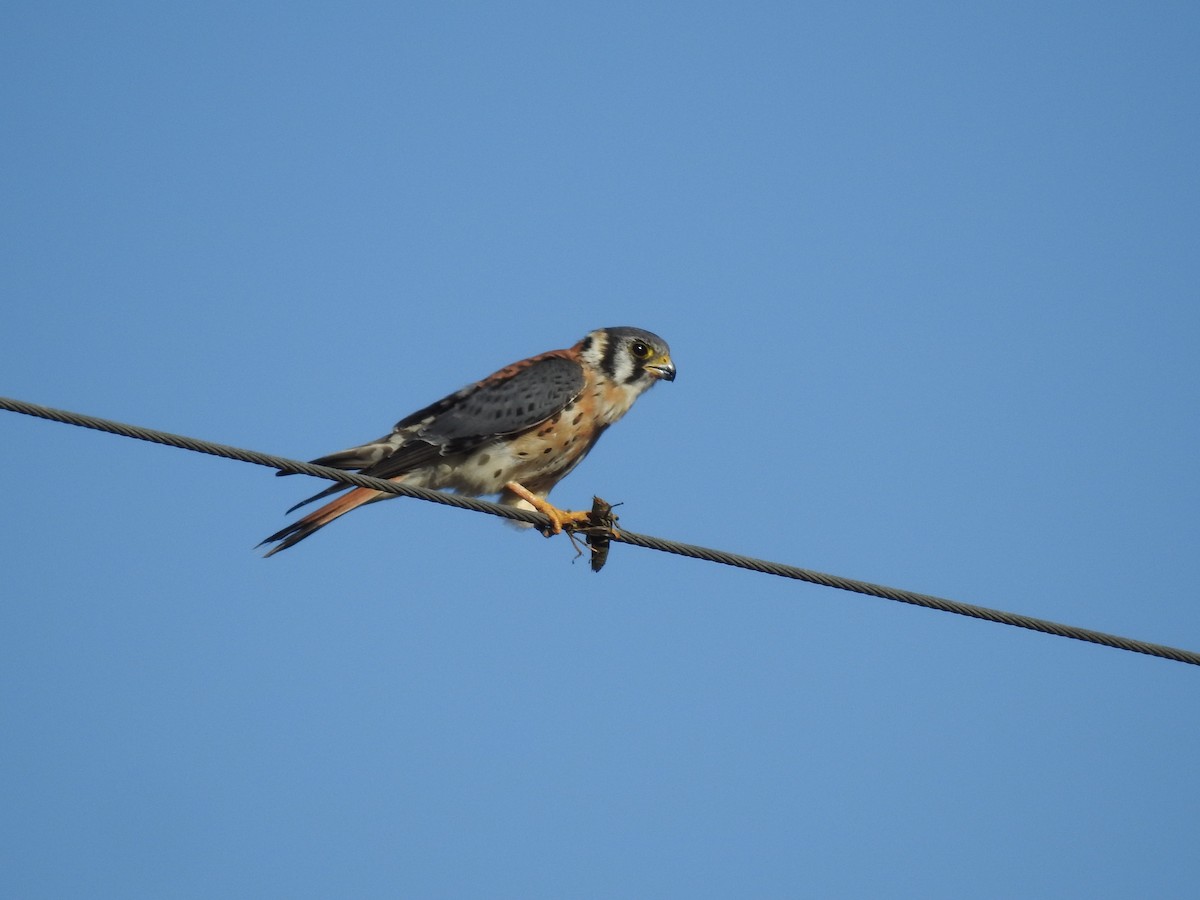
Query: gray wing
518	397
508	402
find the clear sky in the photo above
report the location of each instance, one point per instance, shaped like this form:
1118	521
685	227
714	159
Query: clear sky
931	276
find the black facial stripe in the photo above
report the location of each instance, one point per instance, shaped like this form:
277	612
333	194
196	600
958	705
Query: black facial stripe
586	345
608	362
639	369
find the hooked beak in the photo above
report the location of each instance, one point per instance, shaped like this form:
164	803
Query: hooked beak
662	368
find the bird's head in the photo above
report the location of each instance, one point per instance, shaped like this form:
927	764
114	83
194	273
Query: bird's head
629	356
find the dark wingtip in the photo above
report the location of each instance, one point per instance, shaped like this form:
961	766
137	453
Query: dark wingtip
335	488
287	537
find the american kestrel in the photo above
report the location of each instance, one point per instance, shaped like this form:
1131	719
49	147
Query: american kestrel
516	433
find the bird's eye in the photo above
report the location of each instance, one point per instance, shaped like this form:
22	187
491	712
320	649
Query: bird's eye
639	350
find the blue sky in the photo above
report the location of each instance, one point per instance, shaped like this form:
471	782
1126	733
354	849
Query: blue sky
930	275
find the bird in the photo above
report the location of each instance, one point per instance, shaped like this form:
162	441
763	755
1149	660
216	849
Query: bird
516	433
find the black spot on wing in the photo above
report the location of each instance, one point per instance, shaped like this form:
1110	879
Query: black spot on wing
521	400
479	412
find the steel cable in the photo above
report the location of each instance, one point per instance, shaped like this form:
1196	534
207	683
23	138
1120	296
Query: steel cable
627	537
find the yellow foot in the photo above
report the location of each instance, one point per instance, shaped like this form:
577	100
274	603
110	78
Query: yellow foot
598	525
559	518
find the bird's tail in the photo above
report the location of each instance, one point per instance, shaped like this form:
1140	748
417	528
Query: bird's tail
319	518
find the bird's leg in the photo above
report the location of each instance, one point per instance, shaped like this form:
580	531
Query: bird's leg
559	518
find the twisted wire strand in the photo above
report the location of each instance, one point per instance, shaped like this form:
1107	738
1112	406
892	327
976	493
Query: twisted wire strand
626	537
